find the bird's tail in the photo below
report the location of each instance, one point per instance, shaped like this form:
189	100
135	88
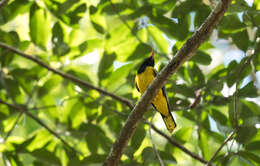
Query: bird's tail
169	122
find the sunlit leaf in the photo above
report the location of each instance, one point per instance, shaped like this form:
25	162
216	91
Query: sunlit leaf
40	29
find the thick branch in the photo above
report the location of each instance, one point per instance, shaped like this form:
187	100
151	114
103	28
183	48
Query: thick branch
187	51
65	75
24	110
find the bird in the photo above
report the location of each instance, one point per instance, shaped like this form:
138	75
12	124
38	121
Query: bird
145	75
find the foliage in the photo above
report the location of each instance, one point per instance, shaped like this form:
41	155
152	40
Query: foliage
103	43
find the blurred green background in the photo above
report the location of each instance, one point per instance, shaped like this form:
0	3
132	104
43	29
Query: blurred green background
103	42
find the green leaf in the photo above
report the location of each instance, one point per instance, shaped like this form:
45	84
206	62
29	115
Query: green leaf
201	14
204	145
253	146
95	158
231	24
157	38
183	8
42	138
11	86
70	12
183	135
77	114
40	29
140	51
13	9
13	159
49	85
138	137
184	90
76	14
46	156
238	6
120	41
250	156
184	74
105	66
98	27
201	58
245	134
196	74
95	135
177	30
118	77
248	91
167	157
110	9
238	161
232	74
242	44
60	47
251	121
8	123
218	116
252	109
148	155
11	38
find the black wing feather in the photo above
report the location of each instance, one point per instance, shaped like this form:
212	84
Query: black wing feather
137	87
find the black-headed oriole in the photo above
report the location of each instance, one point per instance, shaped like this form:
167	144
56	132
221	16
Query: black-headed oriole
145	75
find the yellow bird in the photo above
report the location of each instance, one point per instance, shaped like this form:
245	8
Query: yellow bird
145	75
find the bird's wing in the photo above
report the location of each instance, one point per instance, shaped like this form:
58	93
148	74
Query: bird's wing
163	90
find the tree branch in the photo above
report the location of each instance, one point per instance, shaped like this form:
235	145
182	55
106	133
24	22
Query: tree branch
13	127
187	51
65	75
24	110
178	145
20	113
223	144
154	147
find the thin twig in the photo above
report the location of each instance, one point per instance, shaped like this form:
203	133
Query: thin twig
24	110
242	68
42	107
65	75
178	145
154	147
13	127
20	113
4	160
223	144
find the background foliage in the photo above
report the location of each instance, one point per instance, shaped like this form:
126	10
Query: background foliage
103	43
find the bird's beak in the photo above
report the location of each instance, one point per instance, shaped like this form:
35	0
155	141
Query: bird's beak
152	55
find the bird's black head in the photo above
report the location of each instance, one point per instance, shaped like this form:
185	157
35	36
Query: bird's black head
147	62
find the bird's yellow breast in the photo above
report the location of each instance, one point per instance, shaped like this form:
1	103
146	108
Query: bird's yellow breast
143	80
